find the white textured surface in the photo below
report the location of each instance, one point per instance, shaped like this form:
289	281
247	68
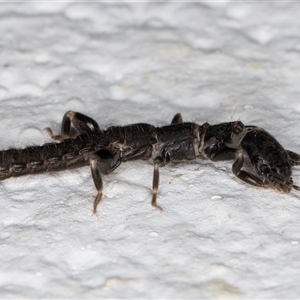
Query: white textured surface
122	63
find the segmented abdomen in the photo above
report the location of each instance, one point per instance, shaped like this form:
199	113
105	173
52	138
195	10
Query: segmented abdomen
69	153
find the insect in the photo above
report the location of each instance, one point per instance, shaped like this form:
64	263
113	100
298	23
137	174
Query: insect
104	150
259	159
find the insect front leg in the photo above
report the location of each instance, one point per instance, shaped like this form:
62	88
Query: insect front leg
246	176
81	122
261	175
294	158
103	161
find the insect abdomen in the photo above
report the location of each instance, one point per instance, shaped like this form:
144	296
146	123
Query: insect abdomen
39	159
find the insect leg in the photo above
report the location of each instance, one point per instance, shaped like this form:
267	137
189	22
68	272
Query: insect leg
81	122
294	158
245	176
97	181
177	119
104	161
155	182
159	161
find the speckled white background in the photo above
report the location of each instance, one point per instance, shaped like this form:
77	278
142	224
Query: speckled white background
122	63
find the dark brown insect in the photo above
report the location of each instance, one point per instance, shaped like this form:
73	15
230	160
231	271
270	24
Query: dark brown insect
260	159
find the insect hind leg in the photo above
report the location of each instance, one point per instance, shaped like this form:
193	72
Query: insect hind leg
81	122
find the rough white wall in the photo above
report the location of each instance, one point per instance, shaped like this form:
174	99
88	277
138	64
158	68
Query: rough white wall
123	63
